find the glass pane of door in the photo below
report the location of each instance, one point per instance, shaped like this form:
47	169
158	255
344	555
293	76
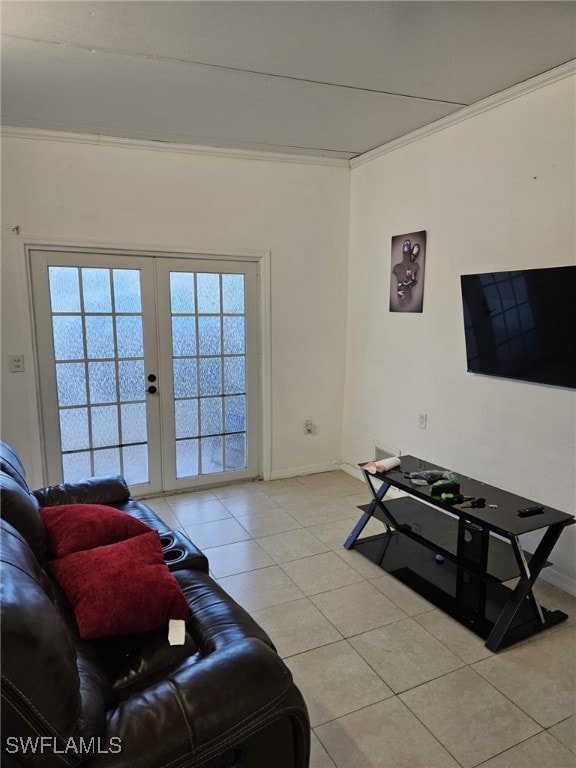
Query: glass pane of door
211	421
97	332
208	324
96	346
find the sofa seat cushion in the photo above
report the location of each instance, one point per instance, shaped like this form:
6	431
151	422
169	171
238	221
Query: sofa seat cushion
75	527
121	588
134	662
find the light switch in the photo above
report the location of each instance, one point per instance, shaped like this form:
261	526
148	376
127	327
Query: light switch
16	363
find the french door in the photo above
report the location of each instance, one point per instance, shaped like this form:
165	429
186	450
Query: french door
148	368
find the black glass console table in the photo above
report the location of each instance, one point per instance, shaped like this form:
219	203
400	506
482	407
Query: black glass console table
459	557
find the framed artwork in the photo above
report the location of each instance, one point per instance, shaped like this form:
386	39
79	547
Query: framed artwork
407	272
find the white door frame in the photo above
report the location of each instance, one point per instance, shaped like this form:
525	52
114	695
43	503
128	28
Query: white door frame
261	257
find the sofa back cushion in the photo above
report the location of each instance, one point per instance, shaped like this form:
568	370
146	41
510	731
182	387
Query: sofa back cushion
40	683
53	684
10	464
19	508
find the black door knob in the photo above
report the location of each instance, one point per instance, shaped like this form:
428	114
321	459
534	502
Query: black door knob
151	377
152	390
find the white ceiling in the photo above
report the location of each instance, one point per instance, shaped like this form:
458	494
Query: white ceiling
332	78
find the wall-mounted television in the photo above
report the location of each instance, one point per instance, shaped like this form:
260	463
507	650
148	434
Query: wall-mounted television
521	324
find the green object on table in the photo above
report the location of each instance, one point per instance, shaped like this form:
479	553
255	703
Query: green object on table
447	485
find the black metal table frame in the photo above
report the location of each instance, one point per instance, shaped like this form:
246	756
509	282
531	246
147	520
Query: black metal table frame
472	560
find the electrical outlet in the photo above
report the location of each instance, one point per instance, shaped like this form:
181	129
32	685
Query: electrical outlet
422	419
16	363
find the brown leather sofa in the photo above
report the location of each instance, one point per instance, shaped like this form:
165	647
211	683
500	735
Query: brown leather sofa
224	699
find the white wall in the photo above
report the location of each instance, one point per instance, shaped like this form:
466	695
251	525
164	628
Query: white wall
493	192
132	197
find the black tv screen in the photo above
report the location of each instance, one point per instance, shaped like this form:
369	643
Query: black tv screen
522	324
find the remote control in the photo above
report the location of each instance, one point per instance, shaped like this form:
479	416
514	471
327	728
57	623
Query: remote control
529	511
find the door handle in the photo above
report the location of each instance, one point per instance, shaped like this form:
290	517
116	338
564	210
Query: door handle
152	390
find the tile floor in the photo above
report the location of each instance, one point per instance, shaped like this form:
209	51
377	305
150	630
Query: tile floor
390	681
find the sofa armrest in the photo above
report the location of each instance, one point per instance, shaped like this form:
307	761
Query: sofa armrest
205	709
110	490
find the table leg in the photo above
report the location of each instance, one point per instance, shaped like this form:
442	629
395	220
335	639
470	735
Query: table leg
523	589
365	517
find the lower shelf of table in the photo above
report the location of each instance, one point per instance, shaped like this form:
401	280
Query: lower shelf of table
440	529
474	602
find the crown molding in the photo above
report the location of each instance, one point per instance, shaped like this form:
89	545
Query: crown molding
42	134
274	155
485	105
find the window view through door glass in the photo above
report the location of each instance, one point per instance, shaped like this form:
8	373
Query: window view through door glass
209	366
99	358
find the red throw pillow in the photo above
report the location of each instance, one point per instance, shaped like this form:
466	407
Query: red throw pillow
122	588
73	527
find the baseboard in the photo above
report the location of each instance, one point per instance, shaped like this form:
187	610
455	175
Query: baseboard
559	580
282	474
352	469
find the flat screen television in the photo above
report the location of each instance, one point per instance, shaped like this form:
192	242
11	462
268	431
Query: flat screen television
521	324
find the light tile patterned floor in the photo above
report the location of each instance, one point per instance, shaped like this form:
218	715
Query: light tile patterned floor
390	681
